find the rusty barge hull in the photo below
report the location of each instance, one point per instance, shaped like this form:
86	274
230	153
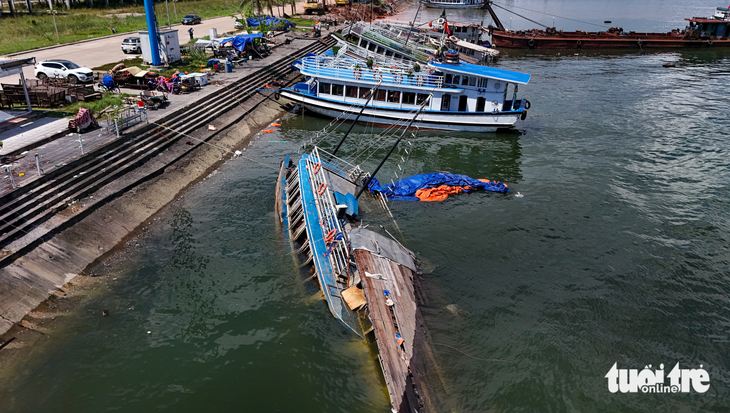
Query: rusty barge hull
576	41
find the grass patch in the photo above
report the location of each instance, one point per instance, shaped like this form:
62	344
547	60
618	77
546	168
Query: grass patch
108	99
30	32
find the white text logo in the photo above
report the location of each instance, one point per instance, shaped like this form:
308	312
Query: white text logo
649	381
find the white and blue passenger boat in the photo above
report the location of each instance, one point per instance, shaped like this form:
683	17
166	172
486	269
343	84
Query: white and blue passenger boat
461	96
452	4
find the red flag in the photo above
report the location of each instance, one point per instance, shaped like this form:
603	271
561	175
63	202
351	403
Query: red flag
446	27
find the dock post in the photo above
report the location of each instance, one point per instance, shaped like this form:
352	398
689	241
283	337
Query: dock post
10	172
81	142
38	164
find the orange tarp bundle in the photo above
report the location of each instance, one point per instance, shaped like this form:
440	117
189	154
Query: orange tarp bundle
440	193
269	130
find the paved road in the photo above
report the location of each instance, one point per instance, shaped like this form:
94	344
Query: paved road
108	50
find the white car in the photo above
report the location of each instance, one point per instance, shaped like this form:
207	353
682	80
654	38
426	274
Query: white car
132	45
63	69
237	24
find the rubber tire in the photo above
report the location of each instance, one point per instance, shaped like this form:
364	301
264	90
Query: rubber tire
524	115
73	79
528	105
125	51
709	42
531	42
41	76
277	96
139	50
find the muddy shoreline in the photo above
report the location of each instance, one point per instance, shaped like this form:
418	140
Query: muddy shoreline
69	258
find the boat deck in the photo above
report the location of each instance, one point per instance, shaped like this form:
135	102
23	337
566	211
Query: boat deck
404	365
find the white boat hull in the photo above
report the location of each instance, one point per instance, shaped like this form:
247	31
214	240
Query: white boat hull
447	121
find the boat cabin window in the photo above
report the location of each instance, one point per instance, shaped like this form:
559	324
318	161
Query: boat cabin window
464	80
338	90
481	102
462	103
447	78
324	88
409	98
420	98
364	93
482	82
381	50
388	53
363	43
371	47
445	102
393	96
457	80
380	95
351	91
472	81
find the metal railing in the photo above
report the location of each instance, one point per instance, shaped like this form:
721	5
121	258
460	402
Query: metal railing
344	68
327	213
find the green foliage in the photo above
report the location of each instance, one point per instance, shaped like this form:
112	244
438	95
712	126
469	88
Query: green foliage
21	33
369	63
416	67
335	50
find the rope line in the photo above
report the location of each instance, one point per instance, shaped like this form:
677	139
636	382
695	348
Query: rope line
546	14
475	358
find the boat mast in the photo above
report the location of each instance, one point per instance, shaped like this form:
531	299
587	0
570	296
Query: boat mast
414	23
488	6
372	93
370	178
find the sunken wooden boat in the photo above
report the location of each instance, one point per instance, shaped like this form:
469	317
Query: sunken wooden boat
369	281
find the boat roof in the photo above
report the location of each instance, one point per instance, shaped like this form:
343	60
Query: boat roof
483	71
476	47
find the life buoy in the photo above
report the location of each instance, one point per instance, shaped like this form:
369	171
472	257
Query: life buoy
528	105
531	42
357	73
317	167
396	77
431	71
441	20
330	236
375	67
394	67
322	188
524	115
377	76
420	80
277	96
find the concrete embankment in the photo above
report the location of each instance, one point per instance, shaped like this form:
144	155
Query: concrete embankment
93	226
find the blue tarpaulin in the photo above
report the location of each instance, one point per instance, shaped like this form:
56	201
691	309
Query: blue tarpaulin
270	21
108	81
406	189
239	42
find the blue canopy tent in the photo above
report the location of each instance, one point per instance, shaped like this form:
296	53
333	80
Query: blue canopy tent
271	21
240	42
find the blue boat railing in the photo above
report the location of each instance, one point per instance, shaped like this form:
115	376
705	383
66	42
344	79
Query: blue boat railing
337	252
348	69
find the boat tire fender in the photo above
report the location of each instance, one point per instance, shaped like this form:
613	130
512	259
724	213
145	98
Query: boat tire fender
277	96
528	105
578	43
531	42
441	20
317	167
524	115
709	42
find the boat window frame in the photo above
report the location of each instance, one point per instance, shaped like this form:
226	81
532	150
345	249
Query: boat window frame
446	97
339	87
393	96
380	95
472	81
410	95
465	80
348	91
326	86
481	104
363	93
448	78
